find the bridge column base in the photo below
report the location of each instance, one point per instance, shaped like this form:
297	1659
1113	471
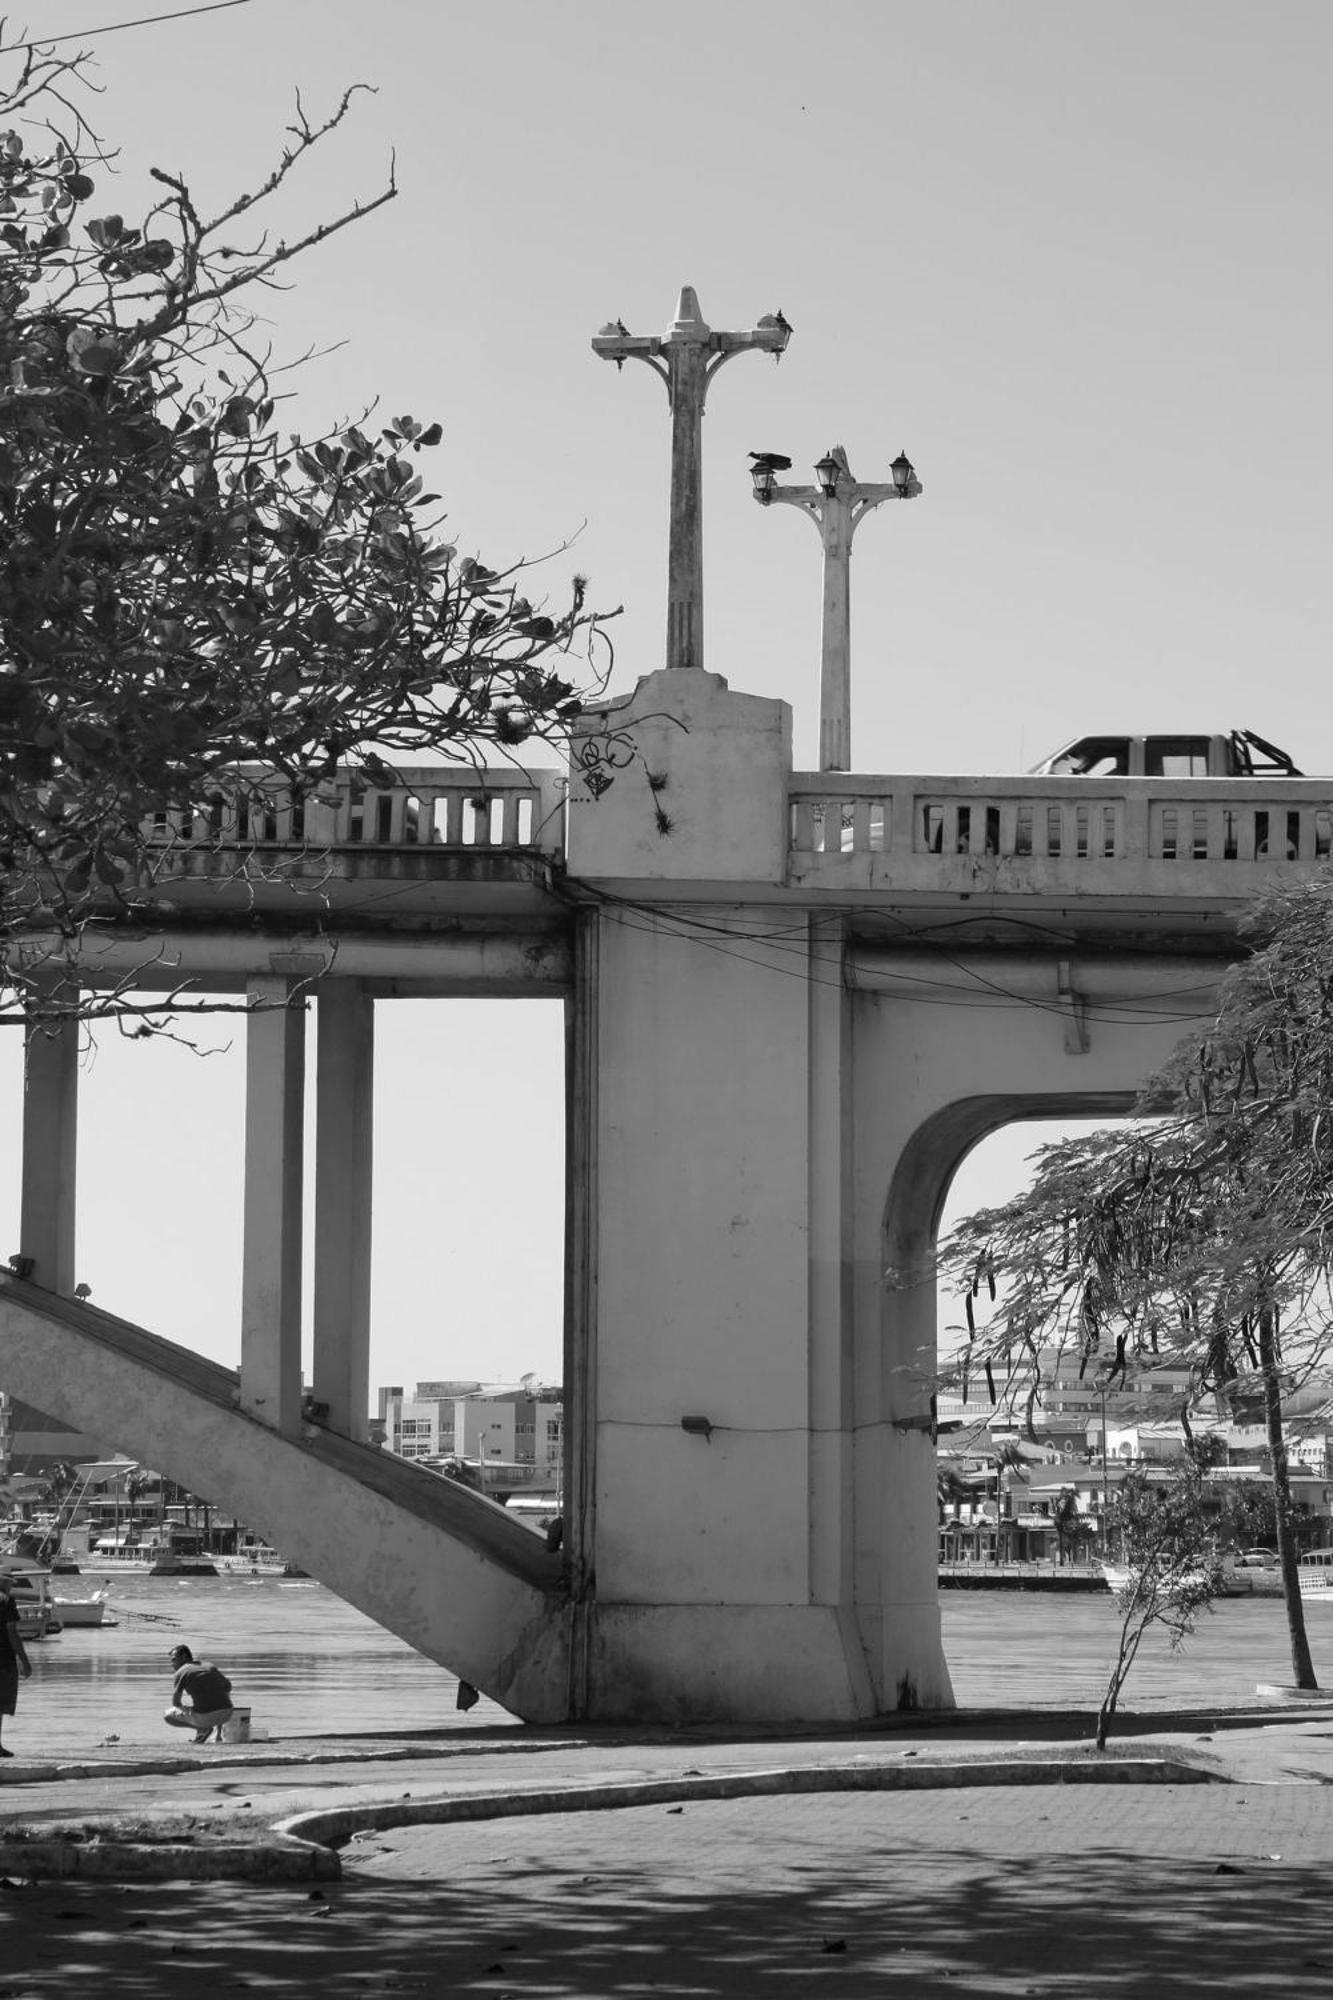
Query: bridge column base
738	1663
903	1642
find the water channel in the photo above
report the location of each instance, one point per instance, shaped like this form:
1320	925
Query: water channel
309	1665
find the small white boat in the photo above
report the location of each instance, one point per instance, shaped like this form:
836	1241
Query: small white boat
256	1560
84	1611
1119	1576
1254	1573
1242	1576
1316	1575
30	1586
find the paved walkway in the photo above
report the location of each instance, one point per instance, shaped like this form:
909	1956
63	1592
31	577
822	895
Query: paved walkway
962	1888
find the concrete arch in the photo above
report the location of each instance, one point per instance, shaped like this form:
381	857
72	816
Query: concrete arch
940	1144
895	1539
924	1096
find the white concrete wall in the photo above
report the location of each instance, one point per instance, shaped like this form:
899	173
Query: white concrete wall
712	1598
723	759
701	1271
487	1428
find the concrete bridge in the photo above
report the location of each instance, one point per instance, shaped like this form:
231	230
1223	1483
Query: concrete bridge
794	1001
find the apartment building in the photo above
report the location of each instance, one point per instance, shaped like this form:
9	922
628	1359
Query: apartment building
515	1426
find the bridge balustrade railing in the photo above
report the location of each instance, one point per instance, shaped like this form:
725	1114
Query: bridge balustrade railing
422	807
924	826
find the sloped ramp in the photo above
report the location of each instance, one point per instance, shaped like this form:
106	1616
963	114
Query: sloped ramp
443	1568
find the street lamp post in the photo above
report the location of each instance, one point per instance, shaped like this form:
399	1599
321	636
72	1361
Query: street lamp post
837	504
687	356
1106	1486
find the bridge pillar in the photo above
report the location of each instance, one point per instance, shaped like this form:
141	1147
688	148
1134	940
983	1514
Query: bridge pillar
711	1326
50	1132
274	1143
344	1139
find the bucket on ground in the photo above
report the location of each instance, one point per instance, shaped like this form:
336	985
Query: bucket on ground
237	1730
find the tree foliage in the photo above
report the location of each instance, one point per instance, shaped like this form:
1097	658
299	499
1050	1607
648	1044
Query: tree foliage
1200	1239
185	589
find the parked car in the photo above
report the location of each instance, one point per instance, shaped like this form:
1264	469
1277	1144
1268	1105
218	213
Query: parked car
1237	754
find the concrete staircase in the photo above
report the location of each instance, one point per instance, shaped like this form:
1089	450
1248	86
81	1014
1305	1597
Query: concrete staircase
433	1562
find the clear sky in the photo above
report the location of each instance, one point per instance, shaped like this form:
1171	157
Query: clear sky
1073	258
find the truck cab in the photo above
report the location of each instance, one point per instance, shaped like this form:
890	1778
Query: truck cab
1239	753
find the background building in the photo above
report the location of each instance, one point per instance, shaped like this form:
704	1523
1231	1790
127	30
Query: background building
510	1434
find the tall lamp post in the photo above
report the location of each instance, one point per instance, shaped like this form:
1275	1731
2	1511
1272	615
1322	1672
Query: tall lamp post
687	357
1106	1485
837	505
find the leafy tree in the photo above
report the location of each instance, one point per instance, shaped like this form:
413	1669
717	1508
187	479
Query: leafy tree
1174	1570
185	591
1201	1239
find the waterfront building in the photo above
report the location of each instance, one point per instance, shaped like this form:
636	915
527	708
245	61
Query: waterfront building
511	1430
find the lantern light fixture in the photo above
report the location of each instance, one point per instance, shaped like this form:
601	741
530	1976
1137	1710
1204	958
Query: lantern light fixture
826	472
765	479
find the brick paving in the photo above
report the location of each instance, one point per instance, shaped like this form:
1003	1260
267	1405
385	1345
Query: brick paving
1118	1891
1113	1892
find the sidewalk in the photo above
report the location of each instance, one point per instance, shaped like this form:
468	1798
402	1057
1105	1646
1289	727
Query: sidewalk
158	1811
961	1855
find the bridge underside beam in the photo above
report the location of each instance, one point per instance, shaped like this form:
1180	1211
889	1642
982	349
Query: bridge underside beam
491	964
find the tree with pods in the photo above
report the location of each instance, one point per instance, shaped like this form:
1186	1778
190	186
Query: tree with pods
187	594
1201	1237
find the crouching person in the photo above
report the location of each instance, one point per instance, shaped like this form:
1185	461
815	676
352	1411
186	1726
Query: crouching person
200	1696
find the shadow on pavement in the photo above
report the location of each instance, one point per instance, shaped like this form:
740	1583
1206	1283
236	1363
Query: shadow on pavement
996	1903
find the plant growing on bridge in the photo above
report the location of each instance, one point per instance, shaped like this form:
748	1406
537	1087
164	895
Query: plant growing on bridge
184	589
1201	1239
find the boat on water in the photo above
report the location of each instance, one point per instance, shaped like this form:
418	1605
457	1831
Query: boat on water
41	1601
1255	1573
1315	1572
145	1556
256	1560
45	1614
84	1612
30	1586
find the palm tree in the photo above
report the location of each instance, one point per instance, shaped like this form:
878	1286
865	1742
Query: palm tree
1066	1518
1008	1458
135	1483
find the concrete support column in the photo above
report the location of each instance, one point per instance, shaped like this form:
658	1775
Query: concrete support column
580	1329
274	1143
344	1174
830	1354
830	1358
50	1132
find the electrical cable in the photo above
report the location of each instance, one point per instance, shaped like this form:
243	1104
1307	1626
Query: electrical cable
116	27
710	935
